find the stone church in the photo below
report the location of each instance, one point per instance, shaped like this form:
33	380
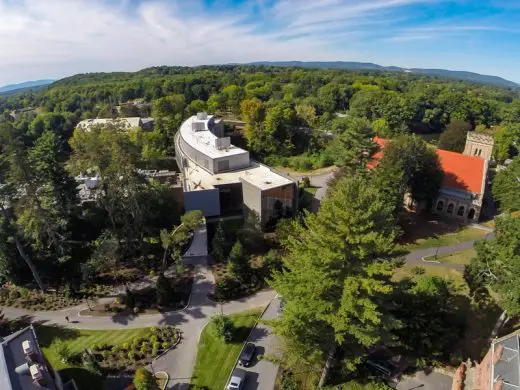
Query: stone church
464	185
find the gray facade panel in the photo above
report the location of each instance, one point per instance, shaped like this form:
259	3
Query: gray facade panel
252	198
207	201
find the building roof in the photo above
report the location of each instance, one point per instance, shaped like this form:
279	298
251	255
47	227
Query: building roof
126	123
12	358
378	155
261	176
461	172
506	362
204	140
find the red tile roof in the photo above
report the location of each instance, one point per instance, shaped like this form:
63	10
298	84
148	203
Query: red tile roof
461	172
381	143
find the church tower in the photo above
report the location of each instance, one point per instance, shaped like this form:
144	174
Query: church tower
479	145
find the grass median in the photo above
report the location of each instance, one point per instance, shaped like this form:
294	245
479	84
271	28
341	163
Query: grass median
215	358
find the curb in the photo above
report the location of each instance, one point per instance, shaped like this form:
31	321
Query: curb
252	329
167	378
179	338
429	261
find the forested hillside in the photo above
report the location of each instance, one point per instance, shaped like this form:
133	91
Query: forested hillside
291	113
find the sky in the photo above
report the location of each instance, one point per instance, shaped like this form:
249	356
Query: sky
42	39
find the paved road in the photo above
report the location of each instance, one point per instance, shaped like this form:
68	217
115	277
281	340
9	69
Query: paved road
423	381
262	373
415	257
178	362
321	181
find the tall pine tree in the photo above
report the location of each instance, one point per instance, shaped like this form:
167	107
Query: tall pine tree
334	279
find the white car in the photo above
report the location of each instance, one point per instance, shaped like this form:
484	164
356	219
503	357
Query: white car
237	380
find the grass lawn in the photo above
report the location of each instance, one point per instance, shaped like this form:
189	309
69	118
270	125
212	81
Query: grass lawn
215	359
77	341
407	271
461	235
461	257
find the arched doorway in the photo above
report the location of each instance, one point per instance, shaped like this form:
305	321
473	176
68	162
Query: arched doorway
461	210
440	205
471	214
450	208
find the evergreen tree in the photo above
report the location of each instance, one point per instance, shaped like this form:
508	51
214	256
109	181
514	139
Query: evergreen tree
238	261
334	280
218	243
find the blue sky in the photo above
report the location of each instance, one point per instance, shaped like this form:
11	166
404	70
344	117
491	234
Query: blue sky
57	38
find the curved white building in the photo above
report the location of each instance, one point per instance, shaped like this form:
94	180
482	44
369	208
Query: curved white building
220	178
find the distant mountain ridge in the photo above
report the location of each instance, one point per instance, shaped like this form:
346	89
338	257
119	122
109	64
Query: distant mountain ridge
452	74
27	84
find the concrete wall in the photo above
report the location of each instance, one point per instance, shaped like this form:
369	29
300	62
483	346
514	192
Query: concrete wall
252	196
236	161
207	201
197	156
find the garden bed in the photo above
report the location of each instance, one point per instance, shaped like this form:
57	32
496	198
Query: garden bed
145	300
33	299
114	351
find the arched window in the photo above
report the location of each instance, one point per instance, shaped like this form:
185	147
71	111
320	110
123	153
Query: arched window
460	213
440	205
450	208
475	152
471	214
480	152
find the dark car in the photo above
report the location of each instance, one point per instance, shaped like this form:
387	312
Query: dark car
246	357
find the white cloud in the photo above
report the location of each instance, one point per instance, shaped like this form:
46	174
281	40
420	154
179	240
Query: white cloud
55	38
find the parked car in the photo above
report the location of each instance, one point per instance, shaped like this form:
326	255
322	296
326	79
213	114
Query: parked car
246	357
237	380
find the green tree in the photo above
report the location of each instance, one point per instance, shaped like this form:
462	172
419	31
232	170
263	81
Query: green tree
234	95
497	263
252	114
334	280
238	261
507	141
409	165
426	310
168	106
454	137
506	186
164	290
218	243
353	145
224	327
144	380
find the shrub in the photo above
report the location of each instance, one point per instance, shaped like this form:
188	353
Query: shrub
63	351
306	182
227	288
144	347
224	328
90	362
418	270
144	380
165	345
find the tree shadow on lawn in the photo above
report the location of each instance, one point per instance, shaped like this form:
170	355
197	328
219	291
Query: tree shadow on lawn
85	379
47	334
417	226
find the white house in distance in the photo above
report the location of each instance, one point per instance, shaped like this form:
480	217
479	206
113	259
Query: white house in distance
124	123
219	178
